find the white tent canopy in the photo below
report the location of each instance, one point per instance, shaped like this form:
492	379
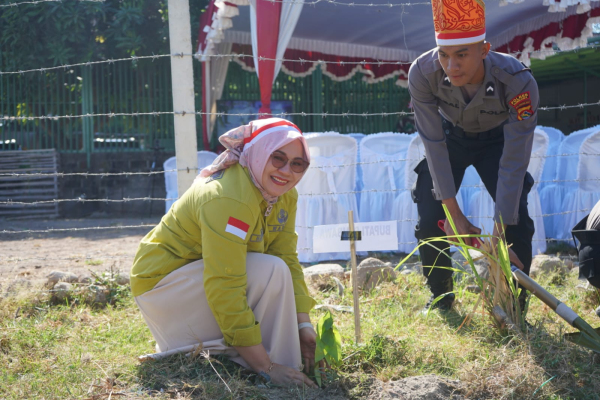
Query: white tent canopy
403	32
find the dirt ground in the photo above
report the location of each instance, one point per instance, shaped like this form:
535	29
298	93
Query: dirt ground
32	256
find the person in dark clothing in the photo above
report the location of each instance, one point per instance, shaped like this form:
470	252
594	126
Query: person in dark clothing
587	232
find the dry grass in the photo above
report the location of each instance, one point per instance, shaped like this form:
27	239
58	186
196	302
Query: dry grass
76	351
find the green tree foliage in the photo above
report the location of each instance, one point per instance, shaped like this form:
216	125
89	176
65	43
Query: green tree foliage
70	31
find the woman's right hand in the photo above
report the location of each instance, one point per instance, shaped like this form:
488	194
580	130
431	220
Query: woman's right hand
286	376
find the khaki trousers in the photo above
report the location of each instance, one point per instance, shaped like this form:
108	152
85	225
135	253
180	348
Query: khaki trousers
178	315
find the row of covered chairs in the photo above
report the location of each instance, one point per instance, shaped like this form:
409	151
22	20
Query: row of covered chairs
570	192
566	171
372	175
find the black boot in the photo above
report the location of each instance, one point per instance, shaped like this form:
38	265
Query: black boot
438	289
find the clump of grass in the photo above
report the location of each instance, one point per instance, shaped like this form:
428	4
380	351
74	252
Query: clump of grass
499	292
110	281
94	262
378	353
197	376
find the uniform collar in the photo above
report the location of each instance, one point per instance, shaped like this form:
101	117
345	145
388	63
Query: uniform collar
455	92
257	193
488	89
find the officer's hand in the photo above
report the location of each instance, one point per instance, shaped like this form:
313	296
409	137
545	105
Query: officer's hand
499	231
463	227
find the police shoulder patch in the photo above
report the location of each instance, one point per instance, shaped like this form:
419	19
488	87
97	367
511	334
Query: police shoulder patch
217	175
522	105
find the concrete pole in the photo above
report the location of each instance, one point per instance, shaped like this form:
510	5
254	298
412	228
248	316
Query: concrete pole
182	78
207	118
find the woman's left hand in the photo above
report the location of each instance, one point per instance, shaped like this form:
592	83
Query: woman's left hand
308	347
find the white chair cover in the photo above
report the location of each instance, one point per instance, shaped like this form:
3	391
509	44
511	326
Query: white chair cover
405	210
583	200
471	184
326	192
556	137
553	196
205	158
482	206
382	157
404	207
358	187
541	144
170	168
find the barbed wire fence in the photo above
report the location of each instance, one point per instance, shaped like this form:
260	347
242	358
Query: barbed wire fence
231	56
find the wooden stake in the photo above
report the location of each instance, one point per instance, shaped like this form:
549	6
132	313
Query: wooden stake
354	277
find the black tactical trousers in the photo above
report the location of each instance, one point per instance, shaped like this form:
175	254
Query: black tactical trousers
484	155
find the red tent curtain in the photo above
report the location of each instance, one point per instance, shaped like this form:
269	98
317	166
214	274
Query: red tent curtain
267	32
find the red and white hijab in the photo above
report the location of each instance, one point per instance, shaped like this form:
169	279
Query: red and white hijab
252	145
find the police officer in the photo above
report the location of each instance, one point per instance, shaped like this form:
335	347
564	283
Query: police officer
472	107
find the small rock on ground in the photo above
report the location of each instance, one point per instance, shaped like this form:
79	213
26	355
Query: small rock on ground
319	276
95	294
62	290
58	276
122	280
544	264
371	272
426	387
411	268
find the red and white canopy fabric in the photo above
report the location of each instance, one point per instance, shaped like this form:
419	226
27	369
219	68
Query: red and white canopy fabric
376	38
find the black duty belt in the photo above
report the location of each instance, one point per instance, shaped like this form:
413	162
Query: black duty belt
450	129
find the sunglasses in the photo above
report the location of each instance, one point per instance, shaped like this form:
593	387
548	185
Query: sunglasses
280	160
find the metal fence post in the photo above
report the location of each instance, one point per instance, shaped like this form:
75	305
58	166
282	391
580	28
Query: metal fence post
87	108
317	99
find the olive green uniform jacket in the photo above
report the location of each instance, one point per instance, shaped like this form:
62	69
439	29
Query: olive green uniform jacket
219	220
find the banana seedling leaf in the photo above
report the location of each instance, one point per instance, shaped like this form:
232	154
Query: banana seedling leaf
329	344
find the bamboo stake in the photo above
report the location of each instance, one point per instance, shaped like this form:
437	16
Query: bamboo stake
354	277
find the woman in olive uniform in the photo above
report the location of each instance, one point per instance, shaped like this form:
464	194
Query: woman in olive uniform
221	268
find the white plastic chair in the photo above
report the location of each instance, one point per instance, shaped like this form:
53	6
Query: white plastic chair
404	209
382	157
358	186
556	137
541	144
553	196
170	168
326	192
471	184
482	206
588	181
205	158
